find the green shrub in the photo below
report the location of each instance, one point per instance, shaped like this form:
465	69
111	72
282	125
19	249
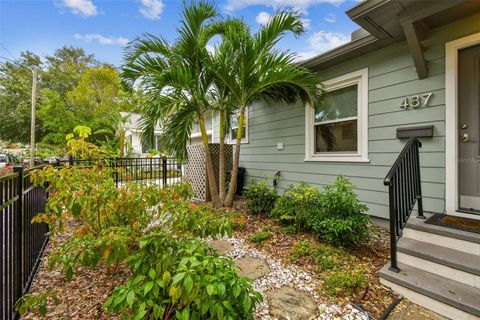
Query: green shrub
262	235
338	199
345	231
36	302
239	221
335	214
182	279
261	198
291	229
342	219
301	249
345	283
152	230
327	257
297	204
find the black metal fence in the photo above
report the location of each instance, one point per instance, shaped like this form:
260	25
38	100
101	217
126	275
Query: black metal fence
162	171
404	191
22	242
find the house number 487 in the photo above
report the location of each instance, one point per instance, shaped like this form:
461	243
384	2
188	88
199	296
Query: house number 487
417	101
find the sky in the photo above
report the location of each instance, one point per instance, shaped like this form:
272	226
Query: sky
104	27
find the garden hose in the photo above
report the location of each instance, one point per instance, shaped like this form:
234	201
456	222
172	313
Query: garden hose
390	308
385	313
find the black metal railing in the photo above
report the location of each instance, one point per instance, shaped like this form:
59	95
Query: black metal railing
23	243
160	170
404	191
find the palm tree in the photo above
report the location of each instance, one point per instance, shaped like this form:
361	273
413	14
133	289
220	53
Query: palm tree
221	100
176	81
262	72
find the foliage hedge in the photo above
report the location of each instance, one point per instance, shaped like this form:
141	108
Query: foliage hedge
154	231
262	198
335	215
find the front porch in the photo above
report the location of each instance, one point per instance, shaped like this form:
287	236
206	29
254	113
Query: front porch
439	269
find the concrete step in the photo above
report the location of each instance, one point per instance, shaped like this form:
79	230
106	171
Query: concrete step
447	297
449	257
467	242
445	262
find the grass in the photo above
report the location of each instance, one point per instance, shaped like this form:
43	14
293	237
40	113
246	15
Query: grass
260	236
325	256
345	283
331	261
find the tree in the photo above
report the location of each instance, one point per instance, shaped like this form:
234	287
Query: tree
65	68
15	97
59	73
260	71
97	99
175	79
56	119
220	98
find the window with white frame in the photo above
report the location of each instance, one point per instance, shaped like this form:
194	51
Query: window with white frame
155	145
336	129
232	137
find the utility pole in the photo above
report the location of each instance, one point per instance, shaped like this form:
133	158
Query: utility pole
32	123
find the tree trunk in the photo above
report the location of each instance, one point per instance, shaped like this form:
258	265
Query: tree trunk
221	165
208	158
232	188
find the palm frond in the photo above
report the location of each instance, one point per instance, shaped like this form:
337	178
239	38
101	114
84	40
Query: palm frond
279	24
176	131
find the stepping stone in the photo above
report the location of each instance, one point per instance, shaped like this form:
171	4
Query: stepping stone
222	246
251	268
291	304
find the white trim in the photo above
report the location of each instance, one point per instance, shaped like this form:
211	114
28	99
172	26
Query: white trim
244	140
360	78
335	120
451	120
199	134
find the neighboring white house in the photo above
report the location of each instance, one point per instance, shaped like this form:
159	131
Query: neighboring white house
133	133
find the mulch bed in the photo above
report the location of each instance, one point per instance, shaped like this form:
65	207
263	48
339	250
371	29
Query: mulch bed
369	257
84	296
81	298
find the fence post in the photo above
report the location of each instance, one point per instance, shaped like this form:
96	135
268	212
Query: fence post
164	170
19	259
420	214
393	229
115	167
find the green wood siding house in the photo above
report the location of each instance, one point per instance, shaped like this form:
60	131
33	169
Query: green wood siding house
383	72
413	64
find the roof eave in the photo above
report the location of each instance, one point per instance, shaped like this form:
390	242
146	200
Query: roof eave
364	7
367	43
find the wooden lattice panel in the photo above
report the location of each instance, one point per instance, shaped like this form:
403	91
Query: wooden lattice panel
196	168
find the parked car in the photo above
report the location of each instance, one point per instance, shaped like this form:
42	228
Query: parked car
51	160
6	161
37	161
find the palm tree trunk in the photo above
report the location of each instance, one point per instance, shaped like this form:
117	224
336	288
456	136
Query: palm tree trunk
232	188
208	157
221	165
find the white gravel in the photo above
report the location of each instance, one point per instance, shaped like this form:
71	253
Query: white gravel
280	276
